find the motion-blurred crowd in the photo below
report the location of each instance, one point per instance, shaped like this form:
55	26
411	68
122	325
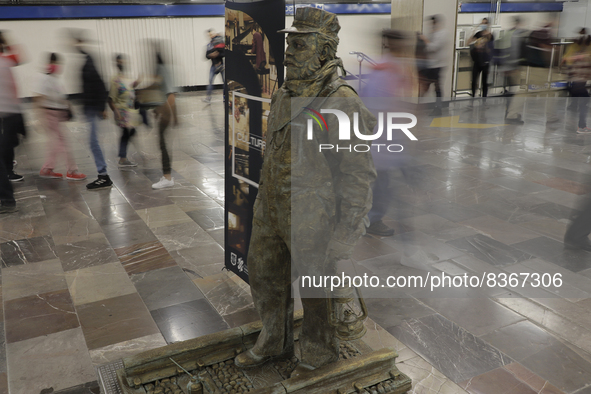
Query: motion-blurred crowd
128	103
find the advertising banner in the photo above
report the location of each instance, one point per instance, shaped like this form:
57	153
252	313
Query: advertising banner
254	71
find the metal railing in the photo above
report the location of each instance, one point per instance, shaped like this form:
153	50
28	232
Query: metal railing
361	57
557	53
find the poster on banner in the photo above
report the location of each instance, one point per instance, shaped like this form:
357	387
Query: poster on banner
254	71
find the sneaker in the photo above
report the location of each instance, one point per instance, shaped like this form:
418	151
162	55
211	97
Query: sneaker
50	174
103	182
75	176
8	208
380	229
206	100
15	177
163	183
584	244
583	130
126	163
517	120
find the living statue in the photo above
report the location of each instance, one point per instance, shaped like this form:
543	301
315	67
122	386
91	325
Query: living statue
308	215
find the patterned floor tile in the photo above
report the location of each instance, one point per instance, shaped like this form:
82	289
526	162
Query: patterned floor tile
449	348
115	320
70	363
99	282
165	287
144	257
26	251
189	320
29	279
38	315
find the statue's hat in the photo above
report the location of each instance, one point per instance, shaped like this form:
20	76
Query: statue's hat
314	20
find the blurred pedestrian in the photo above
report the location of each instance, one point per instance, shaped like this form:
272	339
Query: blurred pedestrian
539	55
11	123
481	49
512	57
13	57
94	100
579	60
390	81
166	112
55	109
215	52
435	50
122	103
580	40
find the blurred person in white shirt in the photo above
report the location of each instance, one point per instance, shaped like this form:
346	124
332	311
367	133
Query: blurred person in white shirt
55	109
436	59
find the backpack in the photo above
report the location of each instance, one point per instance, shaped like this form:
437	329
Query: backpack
536	53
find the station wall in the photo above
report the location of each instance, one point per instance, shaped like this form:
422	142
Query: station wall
184	38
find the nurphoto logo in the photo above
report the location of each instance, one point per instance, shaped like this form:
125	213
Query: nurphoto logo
345	130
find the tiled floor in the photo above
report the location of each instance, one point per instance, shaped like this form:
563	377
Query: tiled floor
91	277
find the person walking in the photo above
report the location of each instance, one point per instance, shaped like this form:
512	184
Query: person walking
435	50
94	99
391	78
513	55
122	103
13	58
11	124
481	53
55	109
579	73
166	113
215	52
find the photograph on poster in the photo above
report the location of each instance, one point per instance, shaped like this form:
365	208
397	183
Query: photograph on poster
245	142
245	36
236	222
240	192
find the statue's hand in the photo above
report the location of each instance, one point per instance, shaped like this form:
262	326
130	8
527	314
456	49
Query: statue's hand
338	250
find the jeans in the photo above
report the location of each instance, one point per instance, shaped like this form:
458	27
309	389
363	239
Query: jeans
476	71
431	76
164	113
92	116
579	91
381	197
579	229
6	153
126	135
212	74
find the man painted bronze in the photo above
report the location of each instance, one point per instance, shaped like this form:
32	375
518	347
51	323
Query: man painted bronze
311	204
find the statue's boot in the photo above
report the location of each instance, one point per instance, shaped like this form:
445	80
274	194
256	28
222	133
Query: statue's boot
302	368
250	359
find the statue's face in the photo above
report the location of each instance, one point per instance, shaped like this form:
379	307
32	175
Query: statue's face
302	57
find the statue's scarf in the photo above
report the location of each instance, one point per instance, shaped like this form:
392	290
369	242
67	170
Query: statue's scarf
313	87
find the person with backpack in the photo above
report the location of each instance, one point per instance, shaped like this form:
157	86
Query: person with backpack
481	49
215	53
94	100
122	102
